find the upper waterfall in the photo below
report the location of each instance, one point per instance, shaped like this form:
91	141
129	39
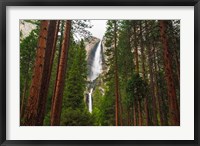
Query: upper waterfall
96	66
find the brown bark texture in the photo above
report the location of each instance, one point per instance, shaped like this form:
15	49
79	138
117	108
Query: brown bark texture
143	59
59	84
116	76
48	63
32	105
174	114
136	50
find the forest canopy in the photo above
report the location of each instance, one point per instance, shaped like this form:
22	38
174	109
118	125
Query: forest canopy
129	77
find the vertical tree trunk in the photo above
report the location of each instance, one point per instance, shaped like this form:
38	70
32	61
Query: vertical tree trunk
144	73
120	111
139	114
25	89
32	105
128	116
23	98
146	111
136	50
134	113
158	98
137	71
116	76
48	63
173	106
59	53
162	99
150	61
59	84
155	122
175	57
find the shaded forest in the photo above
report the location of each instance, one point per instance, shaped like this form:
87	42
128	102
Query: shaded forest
130	77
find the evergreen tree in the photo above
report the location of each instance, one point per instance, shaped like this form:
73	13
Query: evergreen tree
27	55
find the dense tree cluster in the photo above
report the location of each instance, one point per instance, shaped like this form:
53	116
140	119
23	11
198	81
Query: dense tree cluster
57	64
139	85
144	72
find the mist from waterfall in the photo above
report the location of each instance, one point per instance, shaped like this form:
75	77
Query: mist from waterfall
96	69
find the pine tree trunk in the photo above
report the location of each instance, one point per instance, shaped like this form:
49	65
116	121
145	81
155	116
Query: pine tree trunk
59	84
139	114
23	98
128	117
146	111
172	99
120	111
162	100
48	63
134	113
155	122
59	53
136	50
116	76
32	105
158	99
137	71
144	73
150	62
25	89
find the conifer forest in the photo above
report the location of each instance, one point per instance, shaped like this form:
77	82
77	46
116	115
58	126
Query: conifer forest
129	75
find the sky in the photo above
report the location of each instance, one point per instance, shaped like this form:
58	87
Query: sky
98	29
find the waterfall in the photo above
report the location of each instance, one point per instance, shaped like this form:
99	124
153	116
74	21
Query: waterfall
95	71
96	64
90	100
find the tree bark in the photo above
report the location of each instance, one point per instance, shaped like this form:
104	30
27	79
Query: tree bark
157	90
48	63
120	111
25	88
144	73
139	113
23	98
150	62
173	106
59	84
32	105
128	116
116	76
134	113
59	53
136	50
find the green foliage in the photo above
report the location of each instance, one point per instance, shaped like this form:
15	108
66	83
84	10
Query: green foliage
80	27
108	109
28	47
74	108
132	87
47	120
76	79
76	117
27	52
137	88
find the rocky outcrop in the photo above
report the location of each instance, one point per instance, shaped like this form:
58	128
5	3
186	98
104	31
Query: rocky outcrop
104	57
25	28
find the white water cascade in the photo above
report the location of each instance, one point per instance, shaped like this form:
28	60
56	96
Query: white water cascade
96	64
96	69
90	100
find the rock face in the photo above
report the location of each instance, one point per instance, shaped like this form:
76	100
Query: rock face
104	57
26	28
